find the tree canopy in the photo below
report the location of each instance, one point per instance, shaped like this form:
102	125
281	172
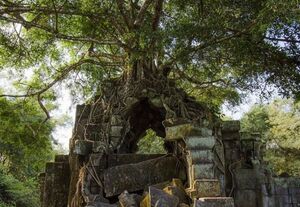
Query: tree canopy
25	142
279	125
213	48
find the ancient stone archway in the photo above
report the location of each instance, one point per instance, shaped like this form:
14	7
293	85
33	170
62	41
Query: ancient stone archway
102	159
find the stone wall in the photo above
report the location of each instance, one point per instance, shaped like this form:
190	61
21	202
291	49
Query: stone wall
55	183
232	167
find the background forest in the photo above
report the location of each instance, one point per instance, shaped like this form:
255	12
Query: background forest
219	51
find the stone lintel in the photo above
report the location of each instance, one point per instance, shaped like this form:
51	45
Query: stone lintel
182	131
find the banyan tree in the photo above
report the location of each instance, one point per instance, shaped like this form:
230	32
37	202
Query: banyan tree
138	64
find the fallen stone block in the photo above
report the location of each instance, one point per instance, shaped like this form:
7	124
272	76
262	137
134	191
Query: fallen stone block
206	188
159	198
100	204
129	200
178	192
214	202
134	177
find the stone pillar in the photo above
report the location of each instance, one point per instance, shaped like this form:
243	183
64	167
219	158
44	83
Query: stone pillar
81	119
232	149
56	184
199	143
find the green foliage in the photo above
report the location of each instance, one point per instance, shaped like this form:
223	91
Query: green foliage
25	142
151	144
215	47
279	124
15	193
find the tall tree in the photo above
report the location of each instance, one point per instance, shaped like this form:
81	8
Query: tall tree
25	142
279	125
216	47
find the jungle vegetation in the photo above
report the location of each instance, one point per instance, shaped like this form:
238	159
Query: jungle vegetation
217	50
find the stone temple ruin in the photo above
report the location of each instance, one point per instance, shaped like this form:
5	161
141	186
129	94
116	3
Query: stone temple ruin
209	163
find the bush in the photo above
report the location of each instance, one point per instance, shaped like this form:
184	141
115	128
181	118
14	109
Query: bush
14	193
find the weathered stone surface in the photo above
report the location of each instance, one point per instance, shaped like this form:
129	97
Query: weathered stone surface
100	204
246	179
123	159
131	101
56	184
181	131
82	112
231	135
159	198
206	132
214	202
61	158
183	205
200	143
116	131
116	120
83	147
231	126
207	188
178	192
98	147
156	101
245	198
200	156
203	171
129	200
133	177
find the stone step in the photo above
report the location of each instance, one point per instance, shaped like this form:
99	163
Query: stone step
214	202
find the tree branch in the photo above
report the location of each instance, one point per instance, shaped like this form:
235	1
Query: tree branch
202	84
123	12
282	40
141	14
57	35
157	14
65	71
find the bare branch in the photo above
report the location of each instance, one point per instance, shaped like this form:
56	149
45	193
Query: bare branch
200	84
57	35
46	10
65	71
223	39
282	40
